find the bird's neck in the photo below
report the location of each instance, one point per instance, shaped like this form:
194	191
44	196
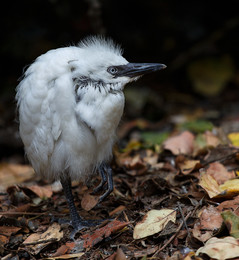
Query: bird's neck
101	111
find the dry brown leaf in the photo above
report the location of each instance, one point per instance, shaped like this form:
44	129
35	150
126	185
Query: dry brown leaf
91	239
210	221
151	157
188	166
230	205
52	234
120	255
221	249
215	174
64	249
153	222
89	201
6	232
219	172
41	191
211	139
181	144
12	174
135	165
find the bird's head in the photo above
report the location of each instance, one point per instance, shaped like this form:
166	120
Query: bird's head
102	66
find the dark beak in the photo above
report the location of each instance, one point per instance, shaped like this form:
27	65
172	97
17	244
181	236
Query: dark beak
138	69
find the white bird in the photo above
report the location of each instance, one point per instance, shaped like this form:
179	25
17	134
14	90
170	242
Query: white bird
70	103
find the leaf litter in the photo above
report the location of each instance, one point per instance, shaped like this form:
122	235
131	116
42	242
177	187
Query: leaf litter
173	192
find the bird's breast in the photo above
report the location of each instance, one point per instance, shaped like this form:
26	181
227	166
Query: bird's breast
102	114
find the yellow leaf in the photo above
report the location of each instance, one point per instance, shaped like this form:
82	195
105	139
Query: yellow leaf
234	138
210	185
231	186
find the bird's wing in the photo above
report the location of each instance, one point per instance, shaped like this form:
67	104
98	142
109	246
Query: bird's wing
40	127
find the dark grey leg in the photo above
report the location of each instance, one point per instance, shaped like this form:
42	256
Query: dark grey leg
110	184
76	221
75	218
103	180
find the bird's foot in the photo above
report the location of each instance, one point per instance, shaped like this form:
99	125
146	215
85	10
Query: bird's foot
100	187
106	183
81	224
78	224
104	195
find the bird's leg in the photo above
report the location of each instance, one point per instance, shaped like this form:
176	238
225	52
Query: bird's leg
66	185
110	185
103	180
76	221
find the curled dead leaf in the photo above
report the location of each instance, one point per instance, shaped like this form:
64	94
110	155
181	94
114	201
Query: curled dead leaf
187	166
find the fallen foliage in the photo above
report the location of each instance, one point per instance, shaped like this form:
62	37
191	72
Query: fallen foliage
171	191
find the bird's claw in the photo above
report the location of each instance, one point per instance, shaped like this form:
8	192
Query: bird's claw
106	183
83	224
100	187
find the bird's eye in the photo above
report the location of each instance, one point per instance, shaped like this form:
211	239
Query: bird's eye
112	70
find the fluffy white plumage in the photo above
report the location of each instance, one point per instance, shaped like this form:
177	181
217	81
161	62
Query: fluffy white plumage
68	115
70	103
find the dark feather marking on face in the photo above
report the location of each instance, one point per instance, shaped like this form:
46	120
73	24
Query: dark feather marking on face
82	82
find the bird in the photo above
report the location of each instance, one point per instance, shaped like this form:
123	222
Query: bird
70	102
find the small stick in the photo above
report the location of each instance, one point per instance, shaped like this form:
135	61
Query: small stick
178	229
29	213
173	236
184	222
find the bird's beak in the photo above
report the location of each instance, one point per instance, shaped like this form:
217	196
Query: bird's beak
138	69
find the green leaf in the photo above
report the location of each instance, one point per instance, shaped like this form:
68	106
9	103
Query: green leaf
152	138
197	126
232	222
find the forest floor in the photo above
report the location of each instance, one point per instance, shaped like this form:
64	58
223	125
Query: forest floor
176	196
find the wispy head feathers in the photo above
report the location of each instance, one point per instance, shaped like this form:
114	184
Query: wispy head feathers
100	43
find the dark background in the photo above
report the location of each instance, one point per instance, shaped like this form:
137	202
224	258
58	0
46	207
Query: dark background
177	33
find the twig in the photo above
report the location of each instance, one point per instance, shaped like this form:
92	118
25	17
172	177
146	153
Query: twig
173	236
29	213
178	229
184	222
221	159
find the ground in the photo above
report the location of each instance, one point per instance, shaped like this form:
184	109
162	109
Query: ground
175	191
